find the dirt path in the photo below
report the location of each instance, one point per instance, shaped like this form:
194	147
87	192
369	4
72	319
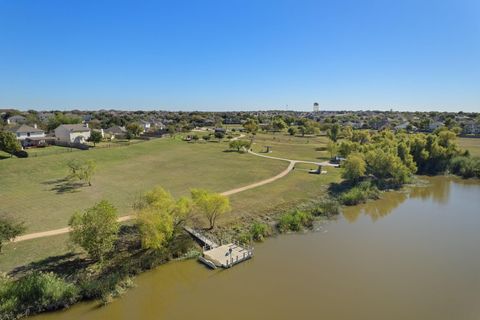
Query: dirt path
291	165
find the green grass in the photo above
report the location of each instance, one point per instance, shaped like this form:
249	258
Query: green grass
472	144
124	172
292	147
31	189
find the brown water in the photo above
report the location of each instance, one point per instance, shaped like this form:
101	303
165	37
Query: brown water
407	256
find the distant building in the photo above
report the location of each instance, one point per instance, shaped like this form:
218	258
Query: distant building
72	133
145	125
116	132
29	136
16	120
435	125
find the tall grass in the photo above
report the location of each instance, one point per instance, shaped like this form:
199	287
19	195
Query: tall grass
359	194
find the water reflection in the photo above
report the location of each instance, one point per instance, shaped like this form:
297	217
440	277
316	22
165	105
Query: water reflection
434	188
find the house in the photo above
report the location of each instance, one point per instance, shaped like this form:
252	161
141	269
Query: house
471	128
157	125
16	120
432	126
29	136
145	125
405	126
72	133
116	132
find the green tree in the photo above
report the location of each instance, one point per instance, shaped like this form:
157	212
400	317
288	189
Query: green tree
292	131
333	132
219	135
278	124
251	126
9	143
239	144
95	137
160	217
96	229
9	230
134	129
354	167
332	148
82	170
212	205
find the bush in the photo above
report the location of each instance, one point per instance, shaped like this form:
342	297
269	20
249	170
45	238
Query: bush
327	207
465	166
21	154
295	221
259	231
106	287
34	293
359	194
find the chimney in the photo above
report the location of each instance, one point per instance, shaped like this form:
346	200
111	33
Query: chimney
35	126
86	125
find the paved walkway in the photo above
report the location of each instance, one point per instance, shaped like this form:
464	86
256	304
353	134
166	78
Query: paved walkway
291	165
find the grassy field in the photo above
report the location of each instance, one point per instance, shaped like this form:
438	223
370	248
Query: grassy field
472	144
298	148
33	190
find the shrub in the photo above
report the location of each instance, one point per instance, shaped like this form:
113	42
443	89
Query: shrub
465	166
327	207
34	293
21	154
107	287
295	221
258	231
359	194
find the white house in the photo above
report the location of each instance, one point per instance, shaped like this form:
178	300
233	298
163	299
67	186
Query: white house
29	136
145	125
72	133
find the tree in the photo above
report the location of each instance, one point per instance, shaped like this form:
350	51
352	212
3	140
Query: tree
9	143
239	144
278	124
292	131
9	230
134	129
251	125
95	137
160	216
219	134
82	170
332	148
195	137
354	167
333	132
207	137
96	229
211	205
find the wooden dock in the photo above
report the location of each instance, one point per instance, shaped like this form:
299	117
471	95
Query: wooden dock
221	255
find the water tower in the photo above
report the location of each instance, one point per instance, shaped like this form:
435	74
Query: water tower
316	107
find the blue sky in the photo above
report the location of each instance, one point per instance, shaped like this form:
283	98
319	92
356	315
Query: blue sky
240	54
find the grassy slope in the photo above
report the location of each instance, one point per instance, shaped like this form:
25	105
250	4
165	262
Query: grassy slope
28	185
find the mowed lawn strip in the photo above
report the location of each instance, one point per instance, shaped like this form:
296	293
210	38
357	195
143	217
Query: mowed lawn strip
29	188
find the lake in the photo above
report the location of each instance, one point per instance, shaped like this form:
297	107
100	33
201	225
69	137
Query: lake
410	255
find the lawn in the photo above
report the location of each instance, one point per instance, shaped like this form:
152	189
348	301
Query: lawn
309	148
125	172
32	189
472	144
